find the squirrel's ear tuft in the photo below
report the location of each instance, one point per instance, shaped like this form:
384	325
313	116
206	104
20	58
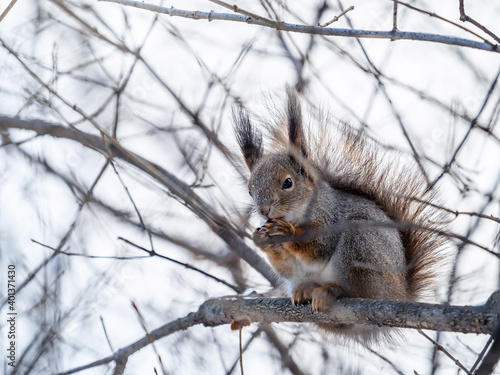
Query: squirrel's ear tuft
295	128
249	138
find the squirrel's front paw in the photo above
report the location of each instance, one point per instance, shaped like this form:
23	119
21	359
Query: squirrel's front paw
267	235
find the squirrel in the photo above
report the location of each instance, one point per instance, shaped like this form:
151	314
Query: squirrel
340	219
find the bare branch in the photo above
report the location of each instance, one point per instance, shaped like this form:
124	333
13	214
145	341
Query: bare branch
482	319
481	355
286	358
471	127
188	266
395	15
7	10
491	359
356	33
466	18
244	349
466	319
336	18
220	225
376	74
432	14
121	355
142	322
446	352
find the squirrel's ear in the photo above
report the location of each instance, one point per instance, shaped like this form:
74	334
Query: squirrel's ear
249	138
295	128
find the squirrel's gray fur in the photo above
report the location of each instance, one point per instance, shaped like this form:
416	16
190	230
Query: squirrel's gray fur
342	220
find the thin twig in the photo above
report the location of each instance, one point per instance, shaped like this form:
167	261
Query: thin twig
106	333
186	265
241	353
441	348
481	355
449	210
376	74
448	165
432	14
470	231
58	251
491	358
395	15
142	322
237	9
336	18
245	347
466	18
385	359
136	209
7	10
286	358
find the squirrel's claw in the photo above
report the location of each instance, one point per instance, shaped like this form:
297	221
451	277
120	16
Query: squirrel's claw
303	293
262	236
321	297
324	296
278	227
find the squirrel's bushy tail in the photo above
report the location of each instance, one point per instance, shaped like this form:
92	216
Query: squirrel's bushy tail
399	188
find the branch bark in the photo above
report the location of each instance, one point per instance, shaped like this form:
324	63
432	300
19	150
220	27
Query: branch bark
483	319
466	319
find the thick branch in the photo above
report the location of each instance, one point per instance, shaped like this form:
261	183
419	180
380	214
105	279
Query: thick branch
356	33
466	319
214	312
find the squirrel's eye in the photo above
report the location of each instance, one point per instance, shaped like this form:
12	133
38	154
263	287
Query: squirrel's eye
249	192
287	184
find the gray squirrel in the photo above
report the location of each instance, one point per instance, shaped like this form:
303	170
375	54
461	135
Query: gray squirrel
340	219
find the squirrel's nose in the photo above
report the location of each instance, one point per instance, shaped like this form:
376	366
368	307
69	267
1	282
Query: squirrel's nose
264	210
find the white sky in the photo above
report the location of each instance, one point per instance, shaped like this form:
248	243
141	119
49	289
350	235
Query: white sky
36	206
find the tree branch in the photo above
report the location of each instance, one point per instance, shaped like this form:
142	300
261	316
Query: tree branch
7	10
466	319
465	18
482	319
356	33
491	359
336	18
284	351
432	14
201	208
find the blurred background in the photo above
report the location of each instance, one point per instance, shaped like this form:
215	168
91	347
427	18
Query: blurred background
164	87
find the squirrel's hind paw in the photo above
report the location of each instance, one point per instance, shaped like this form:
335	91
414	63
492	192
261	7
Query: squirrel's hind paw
304	293
324	296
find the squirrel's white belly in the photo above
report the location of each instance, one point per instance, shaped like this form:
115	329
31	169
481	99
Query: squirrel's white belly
305	272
